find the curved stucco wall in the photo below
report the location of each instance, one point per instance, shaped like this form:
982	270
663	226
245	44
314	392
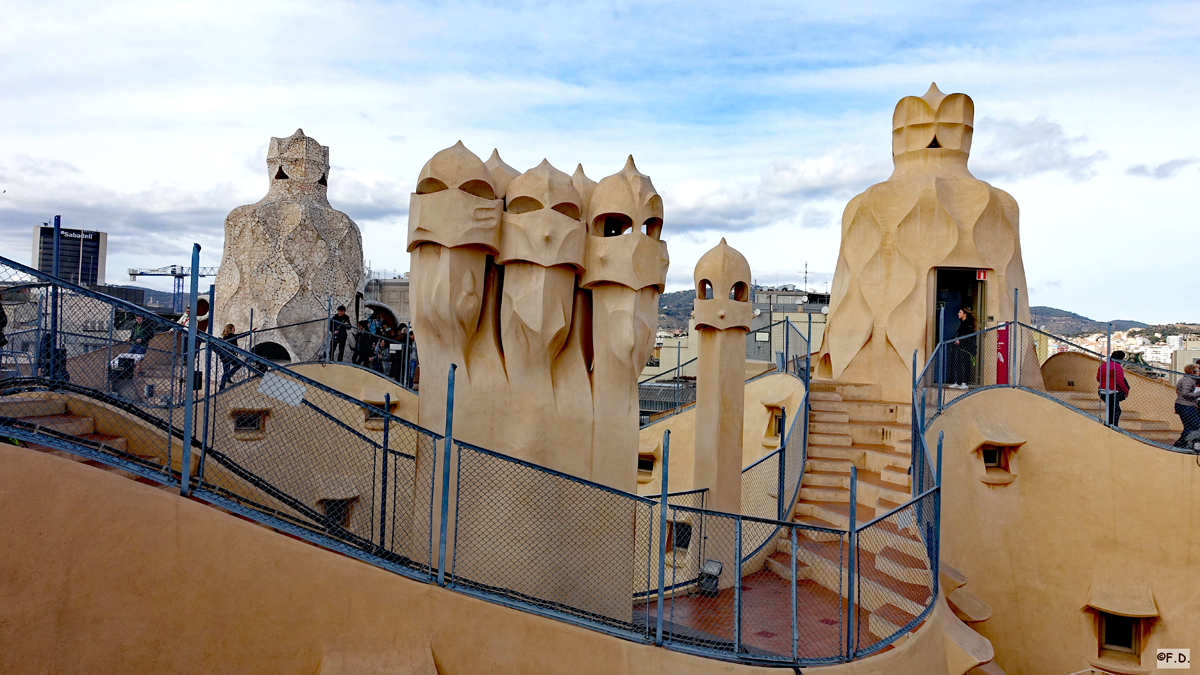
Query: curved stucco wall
1088	506
1072	371
105	575
761	396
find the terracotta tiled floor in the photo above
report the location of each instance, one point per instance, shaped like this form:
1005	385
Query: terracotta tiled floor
766	626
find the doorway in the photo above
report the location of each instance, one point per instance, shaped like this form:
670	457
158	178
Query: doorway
957	288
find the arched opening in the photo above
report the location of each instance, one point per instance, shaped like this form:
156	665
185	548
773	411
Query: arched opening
704	290
280	174
323	180
934	143
611	225
653	227
381	311
478	188
273	351
740	292
430	186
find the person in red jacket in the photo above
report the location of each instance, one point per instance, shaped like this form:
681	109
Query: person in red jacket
1113	387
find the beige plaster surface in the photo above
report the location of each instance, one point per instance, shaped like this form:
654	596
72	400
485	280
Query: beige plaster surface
774	389
1092	516
930	213
548	320
287	254
364	385
105	575
722	322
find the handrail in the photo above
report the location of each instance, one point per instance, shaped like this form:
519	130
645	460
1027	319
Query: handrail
265	473
1157	374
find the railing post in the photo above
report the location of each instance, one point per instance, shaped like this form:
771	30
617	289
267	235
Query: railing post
251	350
737	589
808	350
914	445
662	539
678	369
1012	342
851	558
328	335
787	339
935	564
940	380
54	374
795	620
383	479
212	319
1108	397
112	319
782	461
189	398
441	578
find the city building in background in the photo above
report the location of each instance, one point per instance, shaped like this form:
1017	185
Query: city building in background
81	254
386	288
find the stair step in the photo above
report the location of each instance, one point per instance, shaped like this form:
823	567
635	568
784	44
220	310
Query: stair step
828	428
815	477
825	493
31	406
117	443
827	406
815	395
64	424
835	416
897	475
822	464
888	619
780	563
837	513
830	439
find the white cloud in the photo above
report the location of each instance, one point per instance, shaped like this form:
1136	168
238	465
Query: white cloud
757	121
1168	169
1011	150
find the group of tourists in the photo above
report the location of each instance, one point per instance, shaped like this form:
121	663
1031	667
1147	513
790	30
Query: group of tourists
386	349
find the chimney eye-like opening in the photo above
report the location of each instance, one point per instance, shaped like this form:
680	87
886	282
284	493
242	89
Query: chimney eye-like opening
704	290
524	204
740	292
934	143
478	188
568	209
429	186
613	224
653	227
281	174
323	180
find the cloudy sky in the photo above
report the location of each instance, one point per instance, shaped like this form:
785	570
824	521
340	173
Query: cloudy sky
757	121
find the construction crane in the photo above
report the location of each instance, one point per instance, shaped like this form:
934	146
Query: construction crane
179	272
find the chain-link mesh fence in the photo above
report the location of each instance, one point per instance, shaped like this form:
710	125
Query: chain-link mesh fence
286	451
543	539
667	393
895	583
1132	396
113	379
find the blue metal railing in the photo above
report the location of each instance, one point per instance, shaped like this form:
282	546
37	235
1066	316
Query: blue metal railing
531	537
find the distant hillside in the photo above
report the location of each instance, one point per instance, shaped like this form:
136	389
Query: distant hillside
674	310
1062	322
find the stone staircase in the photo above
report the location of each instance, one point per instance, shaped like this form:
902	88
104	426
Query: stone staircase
1155	429
850	425
53	414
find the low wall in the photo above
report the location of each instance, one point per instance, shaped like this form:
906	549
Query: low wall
105	575
1090	510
